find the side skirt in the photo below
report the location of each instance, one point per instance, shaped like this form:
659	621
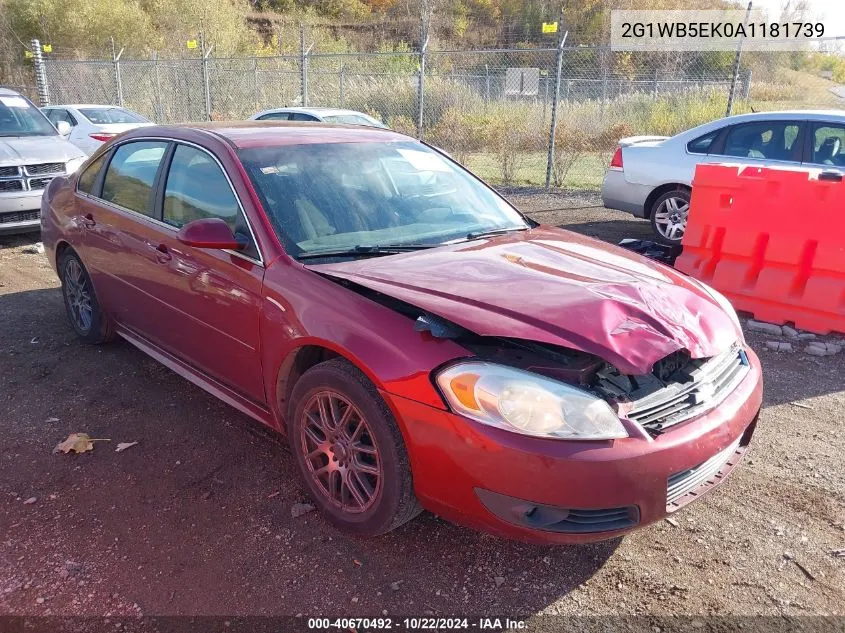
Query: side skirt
203	381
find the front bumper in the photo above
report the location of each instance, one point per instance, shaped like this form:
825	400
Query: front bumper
20	212
490	479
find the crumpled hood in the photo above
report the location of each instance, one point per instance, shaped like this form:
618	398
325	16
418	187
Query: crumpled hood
554	286
28	150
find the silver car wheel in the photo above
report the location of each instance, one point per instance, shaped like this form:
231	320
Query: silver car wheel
670	218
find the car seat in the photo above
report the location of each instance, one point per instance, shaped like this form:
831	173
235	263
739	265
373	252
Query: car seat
828	151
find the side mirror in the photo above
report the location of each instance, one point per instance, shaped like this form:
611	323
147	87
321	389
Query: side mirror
208	233
63	127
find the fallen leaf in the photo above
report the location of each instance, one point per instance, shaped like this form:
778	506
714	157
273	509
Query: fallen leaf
274	494
801	405
51	420
122	446
78	443
356	561
30	501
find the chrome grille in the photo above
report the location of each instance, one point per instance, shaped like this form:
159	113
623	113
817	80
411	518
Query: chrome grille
16	178
688	481
39	183
45	168
11	185
709	384
19	216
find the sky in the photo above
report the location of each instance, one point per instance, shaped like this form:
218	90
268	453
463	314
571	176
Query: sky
830	12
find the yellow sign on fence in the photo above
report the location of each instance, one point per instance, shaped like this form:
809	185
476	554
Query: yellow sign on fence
47	48
27	54
549	27
191	43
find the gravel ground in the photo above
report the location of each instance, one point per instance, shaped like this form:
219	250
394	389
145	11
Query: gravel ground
196	518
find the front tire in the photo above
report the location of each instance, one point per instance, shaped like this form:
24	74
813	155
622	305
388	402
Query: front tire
669	216
84	313
350	451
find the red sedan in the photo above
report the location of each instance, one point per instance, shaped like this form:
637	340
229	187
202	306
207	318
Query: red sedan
419	341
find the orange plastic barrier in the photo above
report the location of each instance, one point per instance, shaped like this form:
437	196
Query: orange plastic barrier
772	241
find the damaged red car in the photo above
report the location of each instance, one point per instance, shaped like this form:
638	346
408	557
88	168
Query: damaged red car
419	341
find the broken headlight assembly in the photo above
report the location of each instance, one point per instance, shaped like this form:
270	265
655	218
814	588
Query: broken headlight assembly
527	403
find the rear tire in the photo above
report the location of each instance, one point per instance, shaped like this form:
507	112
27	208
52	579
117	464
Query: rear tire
350	451
669	216
84	313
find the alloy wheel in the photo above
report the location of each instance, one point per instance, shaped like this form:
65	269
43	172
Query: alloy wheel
340	452
670	219
78	295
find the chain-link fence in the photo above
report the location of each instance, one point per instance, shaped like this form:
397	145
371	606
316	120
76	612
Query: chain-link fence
491	109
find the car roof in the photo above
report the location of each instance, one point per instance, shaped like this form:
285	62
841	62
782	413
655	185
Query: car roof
76	106
801	115
8	92
319	111
248	134
783	114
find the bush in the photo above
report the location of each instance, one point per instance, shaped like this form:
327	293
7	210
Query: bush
394	97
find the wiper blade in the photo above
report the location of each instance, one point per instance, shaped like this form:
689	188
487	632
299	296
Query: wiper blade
477	234
366	250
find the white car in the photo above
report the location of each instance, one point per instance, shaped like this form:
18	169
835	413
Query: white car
32	153
92	125
651	176
326	115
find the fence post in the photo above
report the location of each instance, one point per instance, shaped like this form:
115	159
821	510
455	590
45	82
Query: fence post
40	73
303	67
421	86
206	87
555	97
118	81
487	85
342	84
747	92
157	78
735	77
255	92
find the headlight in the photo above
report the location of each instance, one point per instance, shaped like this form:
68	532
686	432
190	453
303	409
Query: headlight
527	403
74	164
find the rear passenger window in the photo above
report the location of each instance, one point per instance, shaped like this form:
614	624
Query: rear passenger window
301	116
88	178
702	144
275	116
129	178
773	140
197	188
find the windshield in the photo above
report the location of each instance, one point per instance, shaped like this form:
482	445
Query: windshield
334	196
18	117
353	119
104	116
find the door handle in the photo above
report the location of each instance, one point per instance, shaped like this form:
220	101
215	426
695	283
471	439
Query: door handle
833	176
88	221
163	254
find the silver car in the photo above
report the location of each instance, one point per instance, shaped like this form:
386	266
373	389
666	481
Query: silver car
651	176
32	153
325	115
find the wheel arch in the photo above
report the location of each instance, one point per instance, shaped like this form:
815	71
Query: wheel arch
61	247
659	191
303	357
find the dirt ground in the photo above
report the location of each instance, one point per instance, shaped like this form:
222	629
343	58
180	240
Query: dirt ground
196	518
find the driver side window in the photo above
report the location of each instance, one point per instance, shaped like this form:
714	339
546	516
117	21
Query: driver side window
197	188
